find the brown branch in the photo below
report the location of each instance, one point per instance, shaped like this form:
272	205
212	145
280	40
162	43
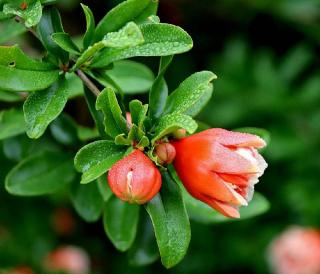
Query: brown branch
91	86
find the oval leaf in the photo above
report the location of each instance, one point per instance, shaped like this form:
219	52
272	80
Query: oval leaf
170	221
96	158
11	123
160	40
42	107
37	175
120	221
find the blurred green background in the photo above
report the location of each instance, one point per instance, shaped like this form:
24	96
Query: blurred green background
265	54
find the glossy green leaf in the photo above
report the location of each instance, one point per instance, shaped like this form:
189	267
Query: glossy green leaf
10	29
159	90
192	94
127	37
159	40
171	122
170	221
75	85
8	96
87	201
144	250
96	114
31	14
18	72
114	122
90	30
64	41
120	221
132	77
42	107
37	175
96	158
117	17
11	123
51	23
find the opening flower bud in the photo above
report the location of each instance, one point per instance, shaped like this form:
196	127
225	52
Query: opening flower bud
165	153
135	178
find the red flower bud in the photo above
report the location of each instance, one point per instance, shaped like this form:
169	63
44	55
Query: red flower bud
20	270
165	153
135	179
220	167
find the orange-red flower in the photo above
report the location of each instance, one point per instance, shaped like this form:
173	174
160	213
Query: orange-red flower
135	178
220	167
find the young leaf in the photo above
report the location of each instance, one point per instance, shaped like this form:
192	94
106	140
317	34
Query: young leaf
138	112
120	221
64	41
42	107
114	122
171	122
159	90
159	40
132	77
88	37
10	29
96	158
18	72
191	95
144	250
51	23
31	14
11	123
87	201
37	175
170	221
126	11
96	114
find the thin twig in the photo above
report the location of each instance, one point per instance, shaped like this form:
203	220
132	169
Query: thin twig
31	30
91	86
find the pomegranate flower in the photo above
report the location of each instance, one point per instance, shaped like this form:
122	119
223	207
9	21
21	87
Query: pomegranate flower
220	168
296	251
135	179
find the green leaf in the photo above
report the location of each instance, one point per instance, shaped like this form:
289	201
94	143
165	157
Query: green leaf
51	23
160	40
121	14
132	77
19	72
159	90
171	122
31	14
96	158
88	37
104	188
37	175
129	36
87	201
96	114
170	221
75	85
42	107
65	130
138	112
192	94
7	96
114	122
144	250
64	41
11	123
120	221
10	29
